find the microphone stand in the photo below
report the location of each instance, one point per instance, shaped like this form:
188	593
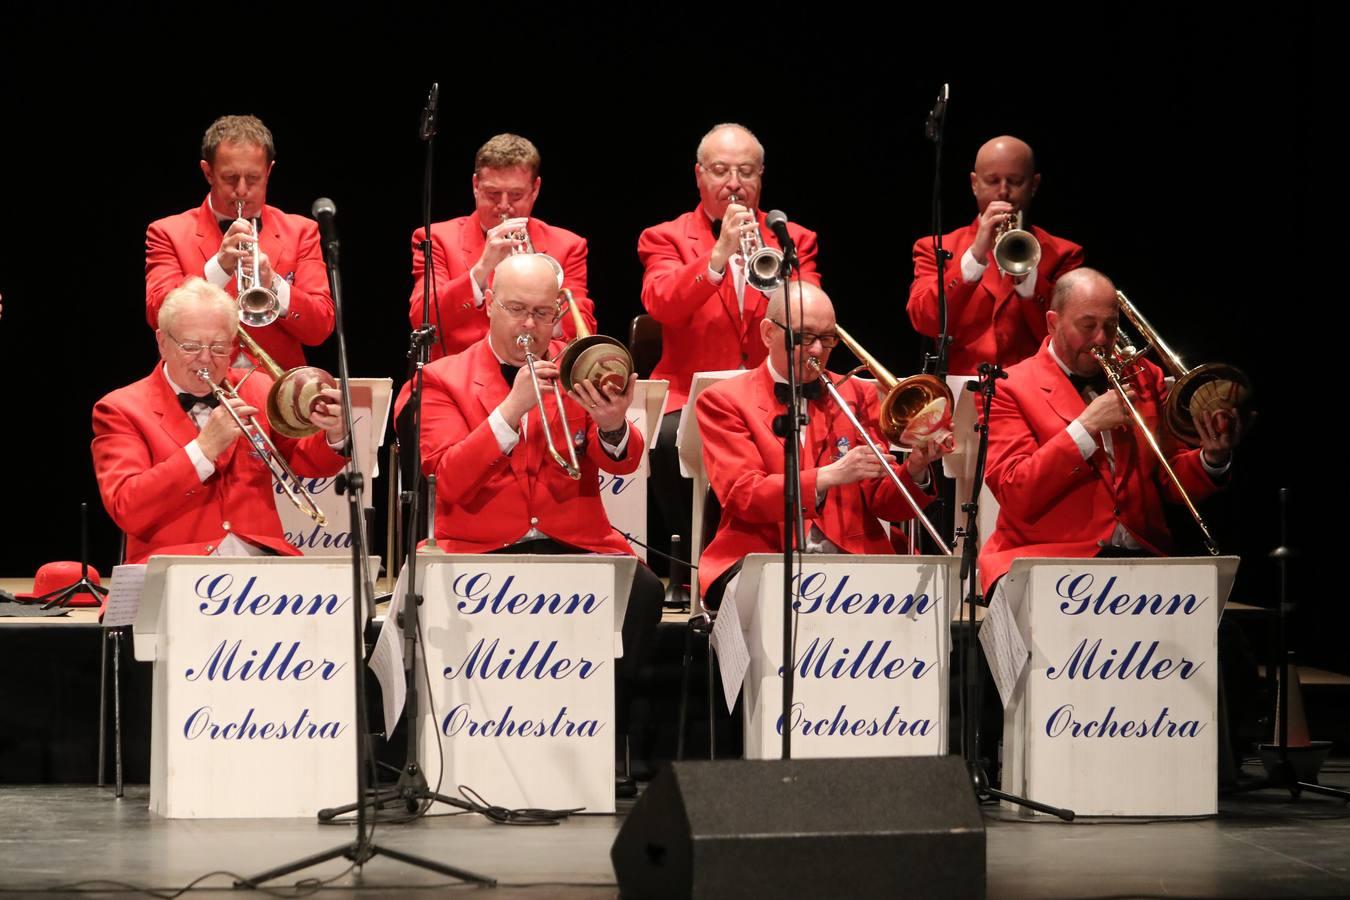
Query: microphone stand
935	130
971	673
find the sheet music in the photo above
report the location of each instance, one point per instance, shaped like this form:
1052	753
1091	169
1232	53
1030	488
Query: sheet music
1004	648
386	661
728	641
124	595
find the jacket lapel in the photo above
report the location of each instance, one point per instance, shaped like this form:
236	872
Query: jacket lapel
208	232
491	389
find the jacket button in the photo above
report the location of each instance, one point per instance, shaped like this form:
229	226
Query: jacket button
465	306
210	548
1116	511
534	520
1101	544
225	525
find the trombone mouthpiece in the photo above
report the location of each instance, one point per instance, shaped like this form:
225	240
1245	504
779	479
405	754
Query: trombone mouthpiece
204	374
525	340
813	363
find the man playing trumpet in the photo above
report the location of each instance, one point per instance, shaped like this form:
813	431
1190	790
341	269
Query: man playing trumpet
844	490
172	469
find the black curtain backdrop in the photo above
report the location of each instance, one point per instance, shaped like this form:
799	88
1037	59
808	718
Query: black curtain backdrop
1172	146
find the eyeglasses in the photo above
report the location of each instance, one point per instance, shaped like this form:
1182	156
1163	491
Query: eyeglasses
829	341
519	312
721	171
192	348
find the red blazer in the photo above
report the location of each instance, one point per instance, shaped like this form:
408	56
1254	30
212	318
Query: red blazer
702	329
987	320
1054	503
485	500
455	248
180	246
744	459
152	491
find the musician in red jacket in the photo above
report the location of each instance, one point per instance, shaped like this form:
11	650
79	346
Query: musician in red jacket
212	241
694	284
992	317
172	468
1071	474
844	490
466	250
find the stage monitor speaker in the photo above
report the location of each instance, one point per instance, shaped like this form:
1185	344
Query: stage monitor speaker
804	828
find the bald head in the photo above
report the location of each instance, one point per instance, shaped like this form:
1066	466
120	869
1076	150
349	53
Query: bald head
1005	169
1082	318
524	271
812	315
523	301
1081	282
812	299
731	137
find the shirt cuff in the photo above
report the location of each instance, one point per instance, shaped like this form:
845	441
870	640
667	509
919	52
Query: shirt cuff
205	468
617	450
507	437
477	291
282	288
1087	445
213	273
1216	472
715	277
1027	289
971	271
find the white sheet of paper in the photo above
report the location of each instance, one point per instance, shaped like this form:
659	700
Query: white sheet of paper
728	641
1004	648
124	595
386	662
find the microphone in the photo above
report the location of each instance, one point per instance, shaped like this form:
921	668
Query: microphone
325	212
933	127
428	129
777	221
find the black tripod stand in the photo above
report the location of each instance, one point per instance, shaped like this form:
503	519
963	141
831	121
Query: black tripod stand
972	673
63	595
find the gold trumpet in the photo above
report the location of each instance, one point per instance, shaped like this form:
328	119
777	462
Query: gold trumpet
1016	252
570	464
763	265
915	410
258	305
601	360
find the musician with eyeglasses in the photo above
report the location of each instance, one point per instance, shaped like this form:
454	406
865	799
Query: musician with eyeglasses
992	315
1071	473
466	250
175	471
694	283
844	490
215	242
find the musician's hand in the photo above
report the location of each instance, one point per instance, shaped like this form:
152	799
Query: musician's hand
606	407
230	253
1220	431
220	430
921	457
499	243
264	265
994	215
735	220
328	416
521	399
858	464
1107	412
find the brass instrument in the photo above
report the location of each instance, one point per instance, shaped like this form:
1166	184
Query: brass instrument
258	305
914	410
569	465
523	244
601	360
813	363
763	265
1016	252
1206	388
294	393
266	450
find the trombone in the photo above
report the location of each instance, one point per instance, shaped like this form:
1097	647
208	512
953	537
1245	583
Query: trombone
294	392
763	265
569	465
1016	251
258	305
601	360
915	410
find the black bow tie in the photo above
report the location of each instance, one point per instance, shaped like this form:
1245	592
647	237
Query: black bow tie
811	390
509	373
1096	382
716	228
226	223
187	401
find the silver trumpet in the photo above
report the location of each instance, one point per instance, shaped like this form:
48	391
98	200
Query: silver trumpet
267	451
763	265
1016	251
812	363
523	244
258	305
569	465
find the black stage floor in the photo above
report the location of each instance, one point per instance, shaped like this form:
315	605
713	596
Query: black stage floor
1260	845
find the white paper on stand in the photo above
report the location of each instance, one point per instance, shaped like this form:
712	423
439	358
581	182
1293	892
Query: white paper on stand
728	642
386	661
1004	648
124	595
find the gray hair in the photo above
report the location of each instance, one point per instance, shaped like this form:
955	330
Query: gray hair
196	292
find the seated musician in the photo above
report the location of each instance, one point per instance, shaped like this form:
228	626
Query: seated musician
498	488
175	471
1071	474
844	490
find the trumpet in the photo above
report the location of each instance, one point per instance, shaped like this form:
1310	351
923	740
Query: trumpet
266	450
1016	252
523	244
258	305
601	360
763	265
814	364
570	464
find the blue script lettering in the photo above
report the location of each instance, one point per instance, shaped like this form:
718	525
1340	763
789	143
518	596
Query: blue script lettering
459	720
200	724
318	538
1077	591
614	484
1083	664
822	661
313	486
1064	722
840	725
481	662
224	664
814	590
215	591
476	590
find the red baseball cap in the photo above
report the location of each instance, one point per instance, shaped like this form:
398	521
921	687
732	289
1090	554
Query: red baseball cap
54	576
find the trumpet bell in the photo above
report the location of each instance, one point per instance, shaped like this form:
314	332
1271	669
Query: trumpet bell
917	410
601	360
1210	387
764	270
293	399
1017	252
258	306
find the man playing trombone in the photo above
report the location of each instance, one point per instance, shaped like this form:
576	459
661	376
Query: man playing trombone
1071	473
215	241
844	489
996	296
172	469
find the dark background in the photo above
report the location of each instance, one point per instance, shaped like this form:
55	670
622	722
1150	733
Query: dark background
1173	149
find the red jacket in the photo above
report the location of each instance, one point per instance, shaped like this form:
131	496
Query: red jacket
987	320
179	246
152	491
1052	502
456	246
744	460
486	500
702	328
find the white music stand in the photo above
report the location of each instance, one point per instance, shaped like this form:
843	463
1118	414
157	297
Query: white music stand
690	445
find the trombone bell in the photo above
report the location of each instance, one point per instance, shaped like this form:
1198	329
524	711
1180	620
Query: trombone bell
601	360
